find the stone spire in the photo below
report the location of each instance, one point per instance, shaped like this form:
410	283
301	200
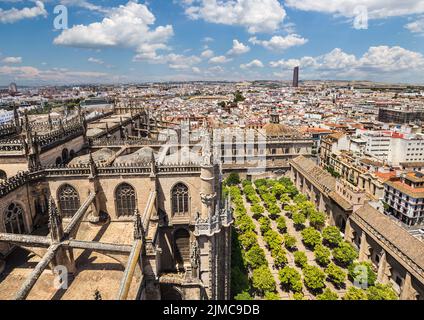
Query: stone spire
27	128
55	222
153	168
206	151
121	128
50	122
16	117
61	127
107	130
93	166
138	226
83	123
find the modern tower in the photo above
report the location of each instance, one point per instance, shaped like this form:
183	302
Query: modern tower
296	77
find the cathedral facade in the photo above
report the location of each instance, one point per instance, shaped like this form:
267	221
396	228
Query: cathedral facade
164	222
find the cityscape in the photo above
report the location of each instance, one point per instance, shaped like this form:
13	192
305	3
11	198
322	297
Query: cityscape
134	167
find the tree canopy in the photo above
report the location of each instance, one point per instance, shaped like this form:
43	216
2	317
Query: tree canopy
328	295
314	278
322	255
262	280
336	275
354	293
345	254
331	236
290	278
255	257
362	274
311	237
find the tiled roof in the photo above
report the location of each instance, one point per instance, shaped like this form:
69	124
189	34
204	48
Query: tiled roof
340	201
320	176
416	193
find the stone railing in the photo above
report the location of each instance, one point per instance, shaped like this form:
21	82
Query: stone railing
179	168
101	142
84	170
122	142
7	129
56	137
18	181
7	145
45	125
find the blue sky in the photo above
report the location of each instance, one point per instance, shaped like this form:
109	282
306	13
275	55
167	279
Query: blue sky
161	40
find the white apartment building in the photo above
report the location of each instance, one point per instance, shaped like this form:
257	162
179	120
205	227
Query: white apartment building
406	148
393	148
5	116
378	144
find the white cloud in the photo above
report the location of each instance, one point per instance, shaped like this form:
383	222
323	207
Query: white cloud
54	75
291	63
125	26
180	62
195	70
252	64
238	48
376	8
377	62
207	54
255	15
94	60
216	69
10	60
13	15
391	59
416	26
279	43
208	39
337	59
84	4
219	60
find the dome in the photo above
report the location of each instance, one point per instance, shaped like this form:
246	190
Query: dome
101	156
141	156
276	129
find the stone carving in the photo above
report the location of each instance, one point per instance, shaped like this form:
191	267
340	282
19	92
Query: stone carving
208	199
194	254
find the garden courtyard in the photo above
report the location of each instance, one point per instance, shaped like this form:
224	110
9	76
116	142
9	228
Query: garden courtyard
284	249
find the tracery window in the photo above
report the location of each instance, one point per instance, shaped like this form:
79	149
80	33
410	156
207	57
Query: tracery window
14	219
69	201
125	198
180	199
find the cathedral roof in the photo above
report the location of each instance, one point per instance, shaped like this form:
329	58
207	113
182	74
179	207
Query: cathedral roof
141	156
99	156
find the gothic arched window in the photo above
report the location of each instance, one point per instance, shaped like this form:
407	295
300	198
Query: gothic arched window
180	199
69	201
65	155
3	175
125	200
14	219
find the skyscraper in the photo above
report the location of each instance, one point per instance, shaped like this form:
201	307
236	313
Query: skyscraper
296	77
